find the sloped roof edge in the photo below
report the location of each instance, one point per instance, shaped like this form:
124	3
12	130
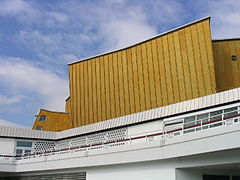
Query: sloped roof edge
158	35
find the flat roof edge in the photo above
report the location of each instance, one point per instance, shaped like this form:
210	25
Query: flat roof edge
180	108
226	39
158	35
53	111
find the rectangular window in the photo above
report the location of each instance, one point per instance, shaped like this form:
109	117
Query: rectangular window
27	152
189	121
203	117
19	152
39	128
216	115
42	118
230	112
24	144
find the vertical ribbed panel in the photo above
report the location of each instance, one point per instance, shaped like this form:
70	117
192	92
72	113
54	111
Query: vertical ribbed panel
68	176
227	70
173	67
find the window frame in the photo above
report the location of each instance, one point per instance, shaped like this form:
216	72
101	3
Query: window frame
42	118
39	128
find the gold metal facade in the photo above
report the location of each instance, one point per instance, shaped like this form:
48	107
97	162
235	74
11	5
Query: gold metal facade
227	70
55	121
167	69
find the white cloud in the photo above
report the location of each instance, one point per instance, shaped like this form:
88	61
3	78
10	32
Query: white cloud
23	77
57	16
9	100
14	7
225	16
10	124
124	33
30	12
20	9
86	28
69	58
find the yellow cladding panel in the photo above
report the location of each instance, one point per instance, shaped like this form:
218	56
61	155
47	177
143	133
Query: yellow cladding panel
167	69
68	105
227	70
55	121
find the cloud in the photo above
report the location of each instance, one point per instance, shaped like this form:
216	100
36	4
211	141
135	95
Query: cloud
20	9
14	7
5	123
23	79
86	28
125	33
225	16
105	27
4	100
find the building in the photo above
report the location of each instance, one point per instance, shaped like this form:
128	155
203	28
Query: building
178	65
165	108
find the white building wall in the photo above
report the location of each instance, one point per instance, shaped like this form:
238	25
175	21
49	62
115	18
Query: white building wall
7	146
138	171
154	126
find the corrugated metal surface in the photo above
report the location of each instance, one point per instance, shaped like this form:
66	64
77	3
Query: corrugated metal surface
55	121
194	104
161	112
170	68
227	70
68	176
26	133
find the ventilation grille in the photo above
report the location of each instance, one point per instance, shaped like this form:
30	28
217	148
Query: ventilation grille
63	144
69	176
97	138
43	146
117	134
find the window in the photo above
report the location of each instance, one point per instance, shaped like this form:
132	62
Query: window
39	128
43	118
27	152
216	115
189	121
230	112
234	57
203	117
19	152
24	144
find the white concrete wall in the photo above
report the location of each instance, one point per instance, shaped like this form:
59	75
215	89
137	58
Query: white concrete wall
129	172
7	146
145	128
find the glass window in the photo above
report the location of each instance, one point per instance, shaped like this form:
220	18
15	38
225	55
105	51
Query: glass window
42	118
27	152
39	128
230	112
189	131
202	116
19	152
24	144
216	125
216	115
189	119
230	109
216	112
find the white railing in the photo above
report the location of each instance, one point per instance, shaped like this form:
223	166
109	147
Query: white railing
211	121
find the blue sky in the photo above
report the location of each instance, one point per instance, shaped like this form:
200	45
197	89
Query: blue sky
39	37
